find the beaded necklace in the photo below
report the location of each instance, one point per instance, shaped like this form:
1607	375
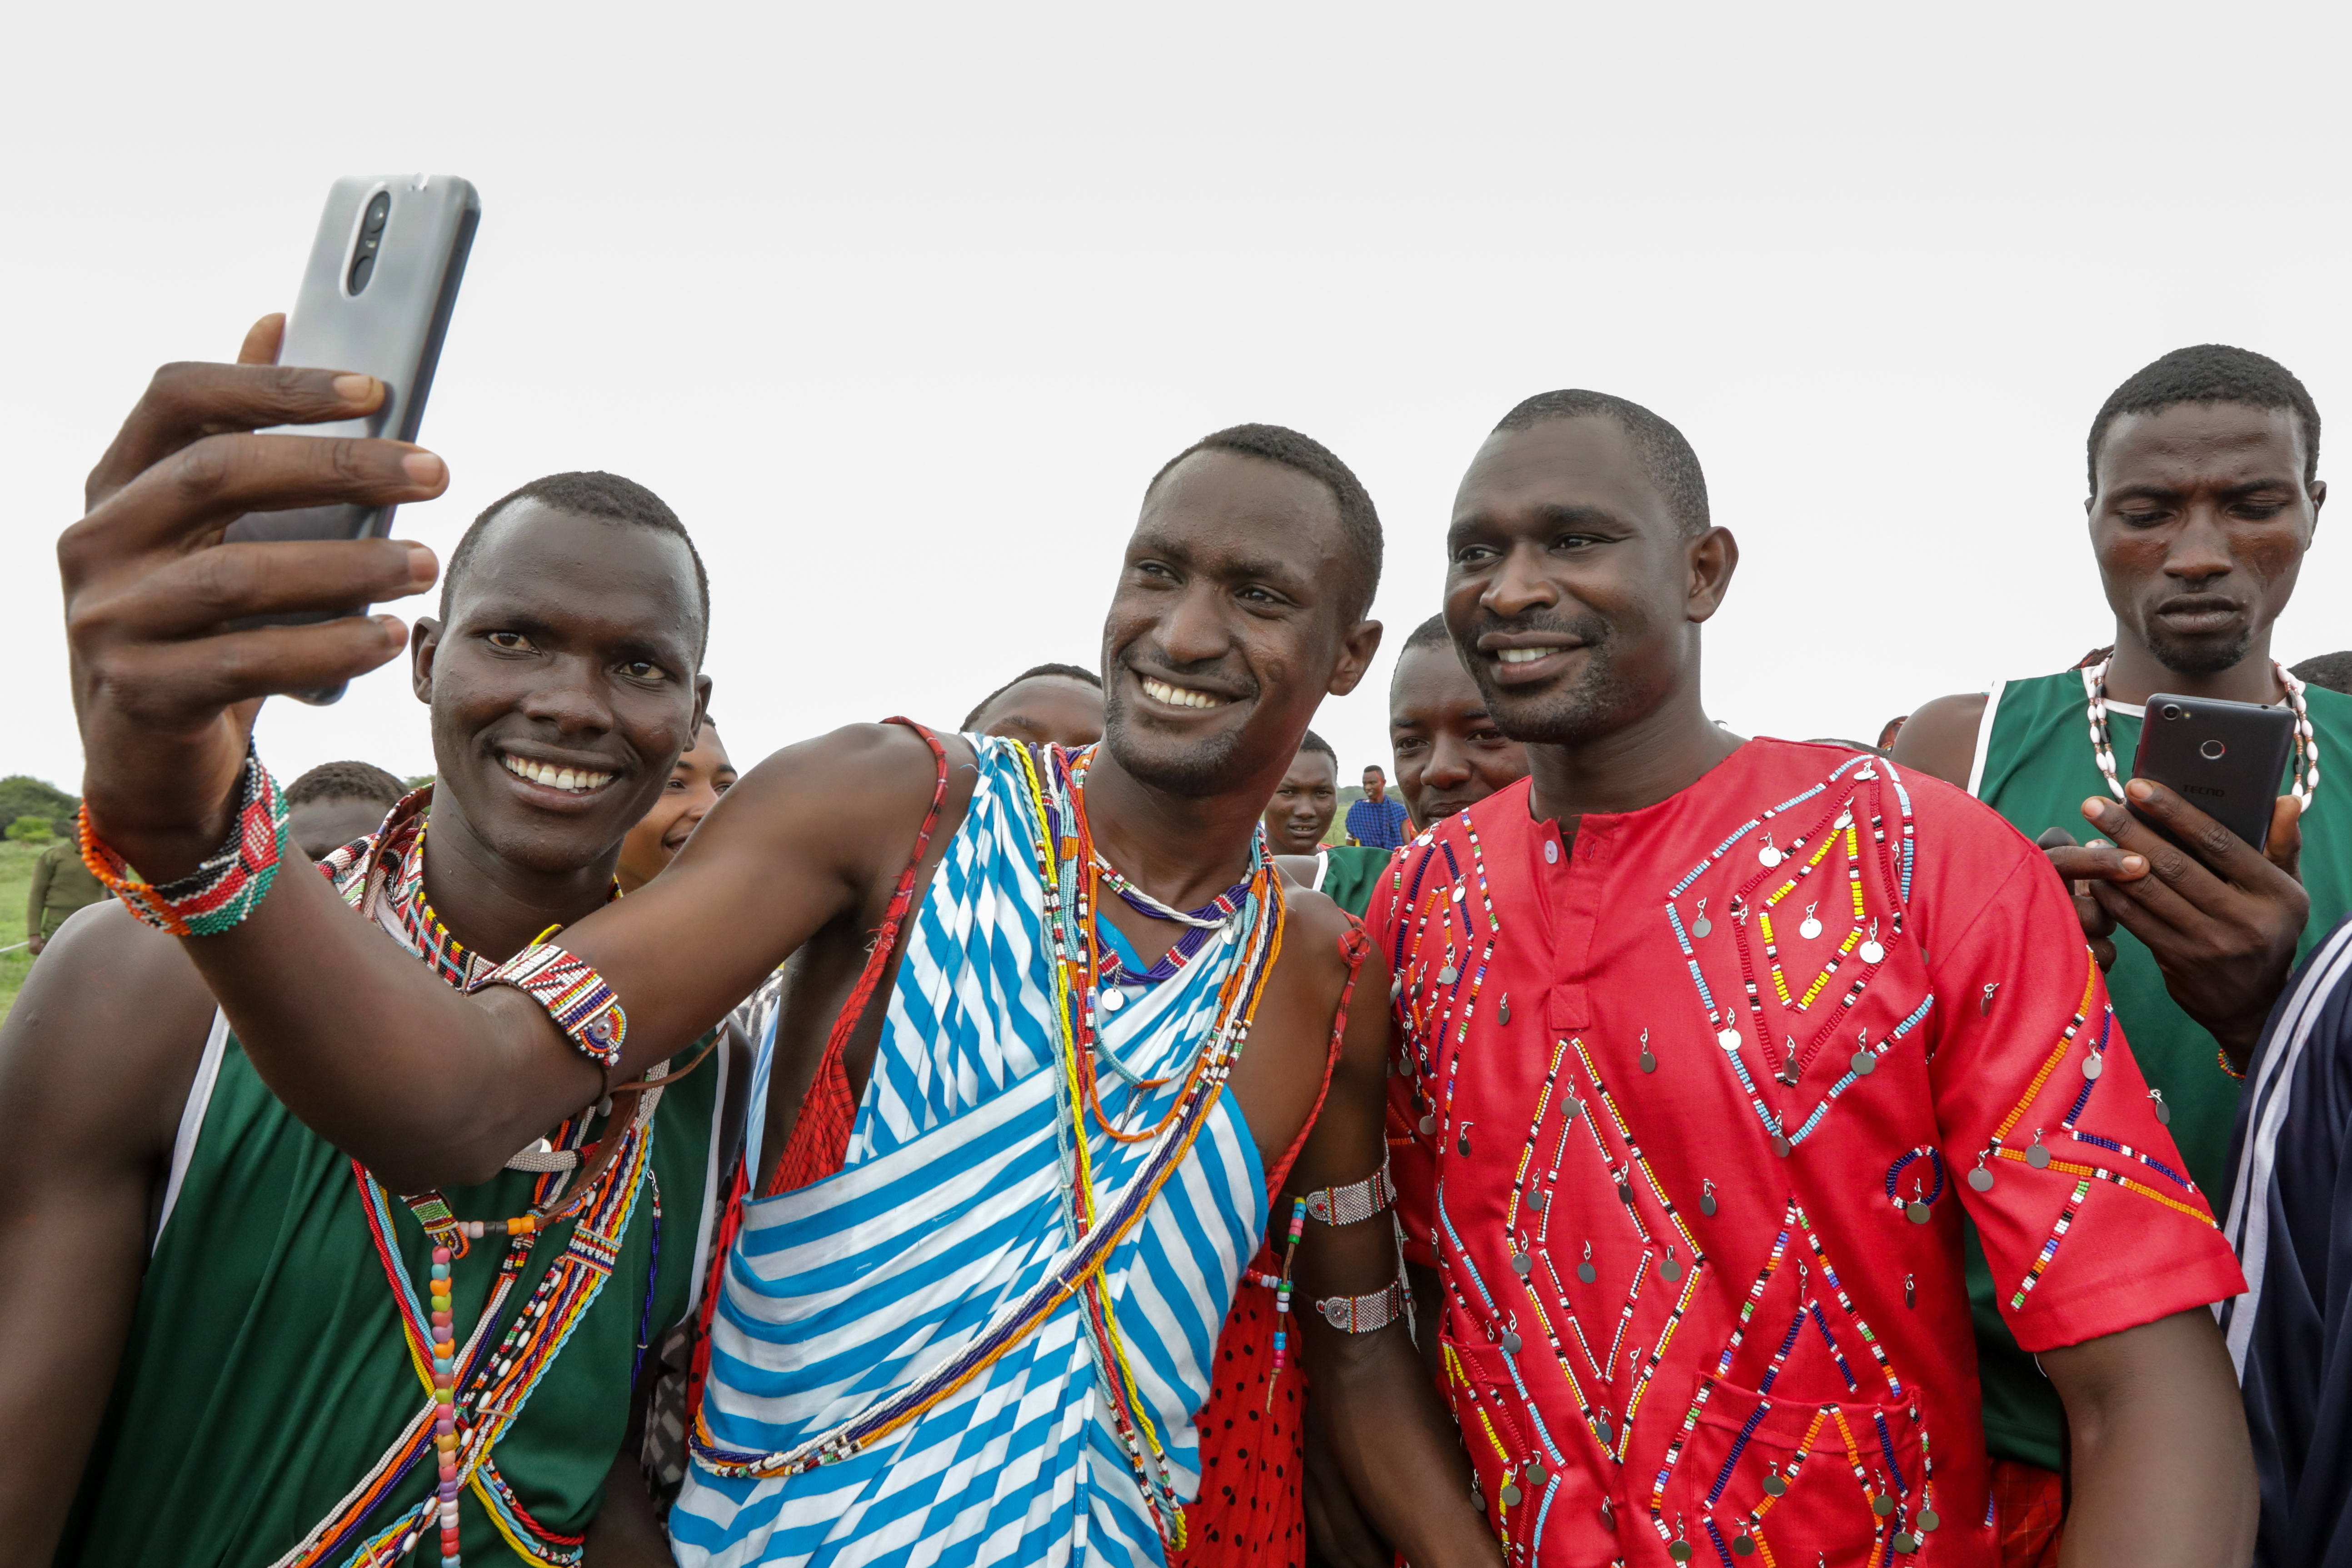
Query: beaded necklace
2303	786
1072	875
474	1394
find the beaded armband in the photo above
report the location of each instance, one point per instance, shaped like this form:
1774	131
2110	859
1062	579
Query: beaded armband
574	995
1363	1314
1355	1203
226	887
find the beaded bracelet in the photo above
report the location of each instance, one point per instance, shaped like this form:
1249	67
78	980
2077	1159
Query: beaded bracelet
226	887
574	995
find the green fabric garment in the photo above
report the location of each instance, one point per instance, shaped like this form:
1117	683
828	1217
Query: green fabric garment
61	886
265	1370
2036	769
1350	872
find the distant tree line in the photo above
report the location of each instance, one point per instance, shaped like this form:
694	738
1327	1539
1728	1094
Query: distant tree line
34	810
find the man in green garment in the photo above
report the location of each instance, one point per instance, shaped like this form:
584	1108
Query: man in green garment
258	1303
2204	497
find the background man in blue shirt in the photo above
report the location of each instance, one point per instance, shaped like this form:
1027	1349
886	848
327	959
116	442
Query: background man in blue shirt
1376	820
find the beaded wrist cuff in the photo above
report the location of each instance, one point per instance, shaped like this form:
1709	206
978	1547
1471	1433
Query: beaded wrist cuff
1355	1203
220	892
574	995
1363	1314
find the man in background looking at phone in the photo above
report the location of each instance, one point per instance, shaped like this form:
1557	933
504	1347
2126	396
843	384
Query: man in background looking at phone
2204	497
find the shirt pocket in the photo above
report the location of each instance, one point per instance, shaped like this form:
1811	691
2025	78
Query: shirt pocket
1526	1469
1815	1482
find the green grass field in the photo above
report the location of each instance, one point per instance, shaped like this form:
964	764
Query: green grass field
15	877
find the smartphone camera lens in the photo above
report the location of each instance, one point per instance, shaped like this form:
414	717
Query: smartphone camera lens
370	241
2211	750
2172	710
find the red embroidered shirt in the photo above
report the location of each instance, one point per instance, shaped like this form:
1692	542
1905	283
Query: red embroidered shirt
1685	1114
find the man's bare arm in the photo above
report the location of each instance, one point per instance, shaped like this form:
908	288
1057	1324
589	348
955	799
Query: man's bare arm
426	1087
2164	1473
1941	738
95	1062
1393	1438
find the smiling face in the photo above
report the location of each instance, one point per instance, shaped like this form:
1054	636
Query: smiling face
1449	754
1376	786
1569	586
563	685
2199	524
1054	709
1227	628
696	782
1303	804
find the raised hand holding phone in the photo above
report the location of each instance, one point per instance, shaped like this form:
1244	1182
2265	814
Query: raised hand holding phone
165	689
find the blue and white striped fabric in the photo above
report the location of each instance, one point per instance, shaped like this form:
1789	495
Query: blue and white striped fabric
948	1209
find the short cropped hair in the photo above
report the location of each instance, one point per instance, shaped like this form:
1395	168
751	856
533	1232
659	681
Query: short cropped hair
2210	372
1359	520
589	493
1429	634
1315	742
1066	671
2332	670
346	781
1667	458
1376	768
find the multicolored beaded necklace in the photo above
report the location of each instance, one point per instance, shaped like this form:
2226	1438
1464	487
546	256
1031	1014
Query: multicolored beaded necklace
1074	875
474	1392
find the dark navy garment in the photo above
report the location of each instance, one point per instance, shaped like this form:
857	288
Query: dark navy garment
2290	1217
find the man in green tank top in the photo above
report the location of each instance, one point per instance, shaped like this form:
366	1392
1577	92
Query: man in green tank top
262	1308
2204	497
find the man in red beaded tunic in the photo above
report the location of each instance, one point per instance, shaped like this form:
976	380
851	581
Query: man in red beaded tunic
1703	1045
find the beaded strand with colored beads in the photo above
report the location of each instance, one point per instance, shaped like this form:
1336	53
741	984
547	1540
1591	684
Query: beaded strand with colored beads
1282	1296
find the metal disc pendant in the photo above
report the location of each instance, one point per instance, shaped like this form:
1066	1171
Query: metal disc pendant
1396	986
1571	1108
1775	1486
1707	1205
1112	1001
1701	926
1537	1475
1727	1039
1671	1269
1521	1263
1871	952
1586	1272
1928	1520
1917	1212
1446	976
1744	1544
1904	1542
1511	1343
1600	1424
1779	1145
1811	929
2163	1113
1863	1064
1504	1012
2094	1065
1882	1504
2038	1157
1536	1200
1768	856
1649	1062
1980	1179
1464	1144
1428	1125
1510	1494
1679	1550
1624	1192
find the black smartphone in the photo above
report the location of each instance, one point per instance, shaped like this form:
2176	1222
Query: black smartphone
377	296
2226	759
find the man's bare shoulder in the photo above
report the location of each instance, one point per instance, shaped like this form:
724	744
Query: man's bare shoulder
1940	738
840	788
104	1038
1316	930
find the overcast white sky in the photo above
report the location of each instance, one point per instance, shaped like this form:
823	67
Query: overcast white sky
900	306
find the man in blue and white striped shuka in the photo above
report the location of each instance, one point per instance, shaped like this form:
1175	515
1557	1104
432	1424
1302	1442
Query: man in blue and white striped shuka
2290	1217
986	1339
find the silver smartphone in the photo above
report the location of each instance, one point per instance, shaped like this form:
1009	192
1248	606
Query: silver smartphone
377	296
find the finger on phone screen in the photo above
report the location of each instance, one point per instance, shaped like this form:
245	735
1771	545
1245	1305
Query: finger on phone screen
2206	841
